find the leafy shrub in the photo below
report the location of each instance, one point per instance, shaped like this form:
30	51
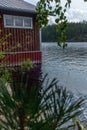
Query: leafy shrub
42	106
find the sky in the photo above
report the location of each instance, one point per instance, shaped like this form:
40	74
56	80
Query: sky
76	13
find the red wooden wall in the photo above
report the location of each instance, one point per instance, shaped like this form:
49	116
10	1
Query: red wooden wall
24	42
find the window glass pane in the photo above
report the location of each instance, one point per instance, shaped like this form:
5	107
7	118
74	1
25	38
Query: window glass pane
8	20
27	22
18	21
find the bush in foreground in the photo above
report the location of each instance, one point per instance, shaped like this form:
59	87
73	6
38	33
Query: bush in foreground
42	106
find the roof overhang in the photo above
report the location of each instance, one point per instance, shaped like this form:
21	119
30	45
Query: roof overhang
12	10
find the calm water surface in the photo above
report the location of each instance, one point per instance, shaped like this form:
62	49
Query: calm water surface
68	65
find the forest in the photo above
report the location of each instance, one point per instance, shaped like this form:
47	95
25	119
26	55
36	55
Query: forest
76	32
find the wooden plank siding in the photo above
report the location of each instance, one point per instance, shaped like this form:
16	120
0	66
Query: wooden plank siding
23	43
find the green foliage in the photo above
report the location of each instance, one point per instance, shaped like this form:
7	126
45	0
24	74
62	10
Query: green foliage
40	106
45	8
27	65
75	32
1	55
4	70
78	124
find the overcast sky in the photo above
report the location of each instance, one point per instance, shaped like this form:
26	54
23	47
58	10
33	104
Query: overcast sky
77	11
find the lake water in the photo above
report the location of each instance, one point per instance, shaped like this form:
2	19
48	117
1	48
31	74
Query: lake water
68	65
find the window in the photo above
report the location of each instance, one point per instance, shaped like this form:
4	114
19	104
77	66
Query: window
27	22
17	21
8	20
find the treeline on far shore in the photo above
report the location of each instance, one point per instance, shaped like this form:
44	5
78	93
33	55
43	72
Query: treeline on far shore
76	32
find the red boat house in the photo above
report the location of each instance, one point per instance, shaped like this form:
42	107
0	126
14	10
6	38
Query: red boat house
18	20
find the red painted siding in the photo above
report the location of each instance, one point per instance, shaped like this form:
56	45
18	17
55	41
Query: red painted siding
17	58
24	42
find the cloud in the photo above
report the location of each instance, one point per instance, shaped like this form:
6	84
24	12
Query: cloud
73	15
51	20
76	15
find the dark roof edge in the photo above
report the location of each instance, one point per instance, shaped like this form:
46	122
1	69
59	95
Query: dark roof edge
18	10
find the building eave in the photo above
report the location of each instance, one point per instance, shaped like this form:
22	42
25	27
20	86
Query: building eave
6	9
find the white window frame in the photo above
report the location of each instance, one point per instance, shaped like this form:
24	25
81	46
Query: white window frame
14	26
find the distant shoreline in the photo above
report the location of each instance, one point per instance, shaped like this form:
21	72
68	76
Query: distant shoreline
68	42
